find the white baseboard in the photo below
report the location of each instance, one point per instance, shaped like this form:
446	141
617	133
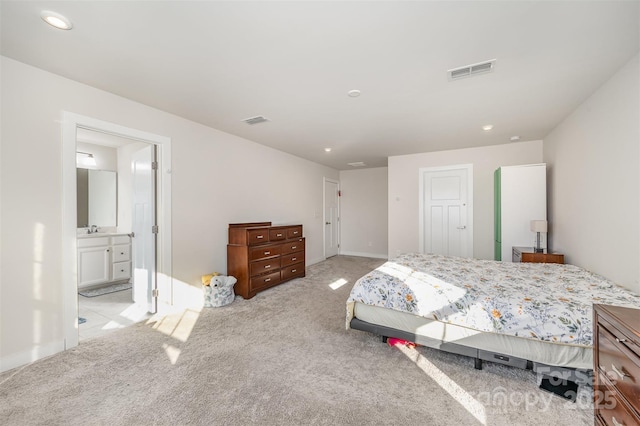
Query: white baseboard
26	357
313	261
360	254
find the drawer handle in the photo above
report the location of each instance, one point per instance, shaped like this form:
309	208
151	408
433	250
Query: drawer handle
295	232
294	247
267	252
260	237
293	270
615	422
294	259
622	374
279	235
267	280
267	266
121	252
621	340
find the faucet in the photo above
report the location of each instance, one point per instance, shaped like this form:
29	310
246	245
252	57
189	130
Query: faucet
93	229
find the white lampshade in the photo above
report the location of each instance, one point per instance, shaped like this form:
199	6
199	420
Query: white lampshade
538	226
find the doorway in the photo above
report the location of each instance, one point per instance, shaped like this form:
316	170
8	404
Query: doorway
116	261
72	123
331	218
446	210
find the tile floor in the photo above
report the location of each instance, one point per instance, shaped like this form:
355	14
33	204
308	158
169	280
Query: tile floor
107	313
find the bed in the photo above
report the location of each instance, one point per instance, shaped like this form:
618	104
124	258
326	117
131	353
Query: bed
529	315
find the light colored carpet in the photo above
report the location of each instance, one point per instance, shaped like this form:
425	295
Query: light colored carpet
281	358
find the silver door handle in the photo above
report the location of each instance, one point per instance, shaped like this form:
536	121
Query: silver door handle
462	227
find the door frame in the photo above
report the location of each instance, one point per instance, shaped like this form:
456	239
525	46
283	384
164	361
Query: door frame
70	123
424	170
324	219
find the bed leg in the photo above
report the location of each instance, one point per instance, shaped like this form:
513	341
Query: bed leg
477	363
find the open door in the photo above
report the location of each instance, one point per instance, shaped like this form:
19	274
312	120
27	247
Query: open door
331	218
144	167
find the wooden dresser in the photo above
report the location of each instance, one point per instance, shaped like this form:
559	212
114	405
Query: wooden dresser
528	254
261	256
616	358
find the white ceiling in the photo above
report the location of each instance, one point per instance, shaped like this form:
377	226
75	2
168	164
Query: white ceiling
217	63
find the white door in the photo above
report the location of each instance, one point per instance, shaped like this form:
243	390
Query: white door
446	214
144	221
331	218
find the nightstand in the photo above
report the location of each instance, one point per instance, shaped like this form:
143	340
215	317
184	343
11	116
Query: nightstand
528	254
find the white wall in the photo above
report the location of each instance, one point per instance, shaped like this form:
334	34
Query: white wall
364	212
404	187
594	158
106	157
217	178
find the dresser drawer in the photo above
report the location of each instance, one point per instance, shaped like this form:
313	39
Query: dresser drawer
542	258
620	365
93	242
293	246
264	266
264	252
121	270
257	236
120	239
277	234
265	281
610	410
121	253
290	259
295	270
294	232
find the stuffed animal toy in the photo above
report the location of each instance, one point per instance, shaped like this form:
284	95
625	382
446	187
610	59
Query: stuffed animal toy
218	289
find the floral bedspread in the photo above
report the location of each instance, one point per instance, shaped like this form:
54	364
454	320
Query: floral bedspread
549	302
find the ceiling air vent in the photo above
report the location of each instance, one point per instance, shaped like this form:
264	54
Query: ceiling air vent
255	120
473	69
357	164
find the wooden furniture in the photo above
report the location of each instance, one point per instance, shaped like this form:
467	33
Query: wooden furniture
616	357
528	254
261	256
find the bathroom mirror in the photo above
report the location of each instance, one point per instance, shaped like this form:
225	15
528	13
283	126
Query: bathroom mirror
97	194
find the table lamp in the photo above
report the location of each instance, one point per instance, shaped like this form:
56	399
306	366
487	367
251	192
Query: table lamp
538	226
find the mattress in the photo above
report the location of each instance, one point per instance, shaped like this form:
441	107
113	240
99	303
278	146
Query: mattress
540	312
561	355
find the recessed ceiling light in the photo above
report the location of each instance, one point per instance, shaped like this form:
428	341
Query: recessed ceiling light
327	150
357	164
514	138
353	93
487	127
56	20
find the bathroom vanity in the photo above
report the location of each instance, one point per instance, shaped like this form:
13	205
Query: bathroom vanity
103	258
